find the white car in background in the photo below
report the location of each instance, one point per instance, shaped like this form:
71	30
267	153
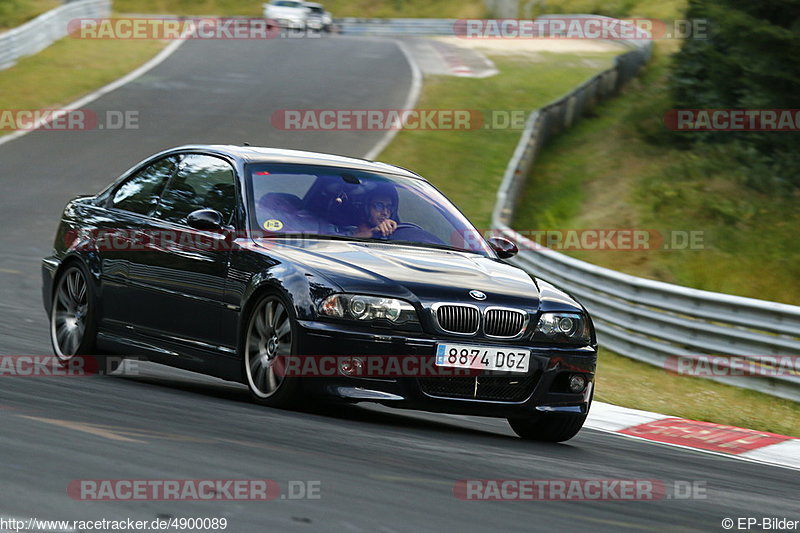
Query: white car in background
317	18
287	13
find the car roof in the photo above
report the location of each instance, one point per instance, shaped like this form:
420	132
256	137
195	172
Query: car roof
258	154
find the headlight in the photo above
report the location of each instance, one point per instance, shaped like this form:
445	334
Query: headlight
363	308
570	328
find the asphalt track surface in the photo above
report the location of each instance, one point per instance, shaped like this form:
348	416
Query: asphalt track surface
378	469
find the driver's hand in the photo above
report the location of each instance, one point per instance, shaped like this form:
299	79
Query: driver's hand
386	227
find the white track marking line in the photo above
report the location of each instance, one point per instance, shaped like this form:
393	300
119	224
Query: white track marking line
91	97
609	417
755	460
613	418
411	100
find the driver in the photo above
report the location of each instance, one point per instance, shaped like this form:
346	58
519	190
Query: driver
380	208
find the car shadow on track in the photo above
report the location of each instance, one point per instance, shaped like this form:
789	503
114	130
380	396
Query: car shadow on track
362	414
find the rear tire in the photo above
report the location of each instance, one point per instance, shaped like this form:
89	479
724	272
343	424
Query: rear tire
270	332
73	321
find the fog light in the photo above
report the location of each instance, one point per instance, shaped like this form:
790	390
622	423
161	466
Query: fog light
352	367
577	383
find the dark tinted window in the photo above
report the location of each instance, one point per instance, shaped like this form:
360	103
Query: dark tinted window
140	192
328	201
202	182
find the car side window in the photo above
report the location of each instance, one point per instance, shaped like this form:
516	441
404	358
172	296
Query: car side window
140	193
202	182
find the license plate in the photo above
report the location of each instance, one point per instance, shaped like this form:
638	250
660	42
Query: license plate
482	358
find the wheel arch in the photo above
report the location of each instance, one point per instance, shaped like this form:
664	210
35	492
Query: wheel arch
90	262
92	265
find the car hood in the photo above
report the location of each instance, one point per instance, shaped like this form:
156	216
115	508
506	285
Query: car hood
409	272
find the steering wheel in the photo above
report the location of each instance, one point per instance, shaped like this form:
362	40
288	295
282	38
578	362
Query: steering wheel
408	225
402	225
408	231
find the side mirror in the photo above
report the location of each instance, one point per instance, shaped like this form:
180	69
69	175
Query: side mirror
503	247
205	219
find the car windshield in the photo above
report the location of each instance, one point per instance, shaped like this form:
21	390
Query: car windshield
286	3
327	202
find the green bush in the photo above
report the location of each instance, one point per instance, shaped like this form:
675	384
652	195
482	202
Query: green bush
750	60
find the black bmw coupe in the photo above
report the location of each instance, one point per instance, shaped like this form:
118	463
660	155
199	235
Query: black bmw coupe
306	275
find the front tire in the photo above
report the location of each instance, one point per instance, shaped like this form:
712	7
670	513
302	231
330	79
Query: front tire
548	427
271	333
73	324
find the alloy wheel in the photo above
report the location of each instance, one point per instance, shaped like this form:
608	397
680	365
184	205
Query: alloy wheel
269	337
70	314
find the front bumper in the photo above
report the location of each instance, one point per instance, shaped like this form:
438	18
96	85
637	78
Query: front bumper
543	389
290	23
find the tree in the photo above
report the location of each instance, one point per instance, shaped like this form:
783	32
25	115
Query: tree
750	60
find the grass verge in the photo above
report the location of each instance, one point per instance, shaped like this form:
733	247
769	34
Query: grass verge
16	12
618	169
663	9
468	165
69	69
630	383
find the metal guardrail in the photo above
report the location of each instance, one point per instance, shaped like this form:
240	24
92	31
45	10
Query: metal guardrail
44	30
454	27
643	319
365	26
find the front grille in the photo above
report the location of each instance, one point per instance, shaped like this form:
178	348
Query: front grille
489	388
504	322
458	318
447	387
